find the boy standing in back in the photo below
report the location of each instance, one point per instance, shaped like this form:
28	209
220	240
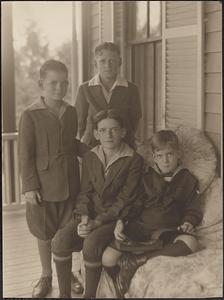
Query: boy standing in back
107	90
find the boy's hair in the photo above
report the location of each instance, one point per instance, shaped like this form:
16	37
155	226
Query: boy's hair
110	114
107	46
164	138
52	65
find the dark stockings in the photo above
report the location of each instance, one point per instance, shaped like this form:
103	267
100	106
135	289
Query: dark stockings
129	263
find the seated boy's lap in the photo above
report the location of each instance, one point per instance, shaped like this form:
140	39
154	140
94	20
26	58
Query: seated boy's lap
67	240
137	233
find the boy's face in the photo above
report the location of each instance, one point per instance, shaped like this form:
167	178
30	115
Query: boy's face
109	133
108	64
167	159
54	85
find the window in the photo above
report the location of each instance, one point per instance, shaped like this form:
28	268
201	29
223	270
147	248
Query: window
144	20
41	31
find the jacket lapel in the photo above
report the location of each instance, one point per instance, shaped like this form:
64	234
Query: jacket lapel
98	100
117	166
119	93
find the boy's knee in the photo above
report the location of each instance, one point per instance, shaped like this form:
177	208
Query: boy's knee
65	241
59	246
190	241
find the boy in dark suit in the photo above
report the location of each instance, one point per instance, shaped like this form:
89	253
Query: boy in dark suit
109	187
106	90
48	151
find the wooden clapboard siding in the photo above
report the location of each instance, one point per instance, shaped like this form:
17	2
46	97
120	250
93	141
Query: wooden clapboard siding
213	72
212	6
213	62
213	82
215	139
213	41
213	122
214	21
213	103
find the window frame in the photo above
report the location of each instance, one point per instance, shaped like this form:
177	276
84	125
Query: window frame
130	5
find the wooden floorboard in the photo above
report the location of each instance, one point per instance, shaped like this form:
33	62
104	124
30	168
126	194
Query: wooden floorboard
21	264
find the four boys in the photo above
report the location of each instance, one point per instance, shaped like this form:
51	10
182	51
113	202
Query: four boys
111	174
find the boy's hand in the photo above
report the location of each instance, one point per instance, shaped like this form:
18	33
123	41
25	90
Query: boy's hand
86	226
87	139
33	197
118	231
186	227
93	224
82	230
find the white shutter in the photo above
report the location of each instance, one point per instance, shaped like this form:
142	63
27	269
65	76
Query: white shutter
182	61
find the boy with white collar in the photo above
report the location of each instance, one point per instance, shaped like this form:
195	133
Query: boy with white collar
48	151
109	187
107	90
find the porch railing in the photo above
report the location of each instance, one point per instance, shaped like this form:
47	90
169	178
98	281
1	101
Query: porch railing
11	181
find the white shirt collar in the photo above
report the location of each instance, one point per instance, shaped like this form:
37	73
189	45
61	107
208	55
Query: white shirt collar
40	104
124	151
120	81
168	178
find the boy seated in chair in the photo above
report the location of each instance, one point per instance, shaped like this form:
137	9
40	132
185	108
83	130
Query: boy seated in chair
169	212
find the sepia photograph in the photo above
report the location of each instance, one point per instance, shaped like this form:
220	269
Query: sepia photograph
112	149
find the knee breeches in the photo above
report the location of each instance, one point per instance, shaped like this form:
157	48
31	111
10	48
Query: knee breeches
66	241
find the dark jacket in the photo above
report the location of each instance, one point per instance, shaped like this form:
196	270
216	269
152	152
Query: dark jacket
170	204
48	151
90	99
106	197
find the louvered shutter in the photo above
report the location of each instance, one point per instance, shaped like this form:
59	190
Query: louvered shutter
182	62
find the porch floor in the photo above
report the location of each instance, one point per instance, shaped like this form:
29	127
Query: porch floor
21	264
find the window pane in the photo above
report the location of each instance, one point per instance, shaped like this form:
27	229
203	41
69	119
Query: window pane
141	17
155	18
42	30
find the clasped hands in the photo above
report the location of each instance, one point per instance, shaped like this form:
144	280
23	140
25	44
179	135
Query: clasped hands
86	226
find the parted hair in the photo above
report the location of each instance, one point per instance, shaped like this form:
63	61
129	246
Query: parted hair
164	138
107	114
107	46
52	65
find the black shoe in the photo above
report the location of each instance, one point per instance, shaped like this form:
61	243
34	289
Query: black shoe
76	285
42	288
